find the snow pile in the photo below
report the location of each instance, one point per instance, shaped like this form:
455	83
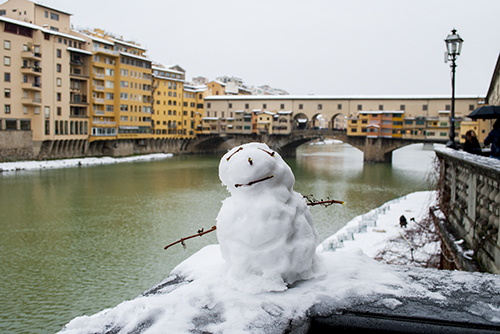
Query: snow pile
327	142
77	162
195	298
379	235
265	228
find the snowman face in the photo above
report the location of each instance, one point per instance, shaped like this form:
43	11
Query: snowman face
254	166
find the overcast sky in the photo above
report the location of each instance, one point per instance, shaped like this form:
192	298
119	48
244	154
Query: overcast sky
321	47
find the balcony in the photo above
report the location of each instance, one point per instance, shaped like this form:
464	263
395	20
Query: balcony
34	70
77	62
104	122
78	99
31	86
28	101
107	51
99	75
31	55
99	88
98	100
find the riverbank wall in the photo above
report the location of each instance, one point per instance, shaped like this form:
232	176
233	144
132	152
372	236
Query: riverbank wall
16	145
19	146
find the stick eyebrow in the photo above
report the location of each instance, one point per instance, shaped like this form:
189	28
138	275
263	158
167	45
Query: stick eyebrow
270	153
229	157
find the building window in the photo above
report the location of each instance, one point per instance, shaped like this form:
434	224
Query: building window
447	107
301	106
47	127
264	106
425	107
6	92
59	111
6	77
6	45
320	106
10	124
58	52
360	107
247	106
58	96
471	107
402	107
54	16
339	106
380	107
59	82
7	109
6	61
58	68
25	124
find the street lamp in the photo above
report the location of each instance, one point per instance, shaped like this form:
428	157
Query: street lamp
453	49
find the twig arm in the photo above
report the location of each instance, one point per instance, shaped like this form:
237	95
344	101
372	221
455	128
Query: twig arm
199	234
332	201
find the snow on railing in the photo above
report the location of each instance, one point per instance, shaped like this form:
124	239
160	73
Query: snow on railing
469	193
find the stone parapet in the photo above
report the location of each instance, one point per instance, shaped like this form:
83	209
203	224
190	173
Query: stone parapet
469	196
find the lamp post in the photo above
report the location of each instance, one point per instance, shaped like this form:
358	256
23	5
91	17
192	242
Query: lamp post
453	49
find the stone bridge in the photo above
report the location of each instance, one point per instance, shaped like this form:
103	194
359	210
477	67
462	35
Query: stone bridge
374	150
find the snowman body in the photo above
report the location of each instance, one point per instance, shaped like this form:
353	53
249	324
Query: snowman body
265	229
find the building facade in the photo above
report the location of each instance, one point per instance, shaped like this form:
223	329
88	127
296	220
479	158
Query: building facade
396	117
45	84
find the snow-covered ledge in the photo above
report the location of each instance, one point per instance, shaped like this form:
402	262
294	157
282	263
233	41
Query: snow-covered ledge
355	292
469	193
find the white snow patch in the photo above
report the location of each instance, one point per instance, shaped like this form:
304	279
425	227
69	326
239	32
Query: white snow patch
77	162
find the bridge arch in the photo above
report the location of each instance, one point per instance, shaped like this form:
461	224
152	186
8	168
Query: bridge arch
338	121
301	121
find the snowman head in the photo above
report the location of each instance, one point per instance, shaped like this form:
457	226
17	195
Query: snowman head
254	168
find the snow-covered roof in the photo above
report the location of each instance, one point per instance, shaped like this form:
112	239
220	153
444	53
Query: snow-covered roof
338	97
79	50
51	8
131	45
42	29
98	39
134	56
20	23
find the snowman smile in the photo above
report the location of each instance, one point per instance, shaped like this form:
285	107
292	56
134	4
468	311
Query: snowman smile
254	182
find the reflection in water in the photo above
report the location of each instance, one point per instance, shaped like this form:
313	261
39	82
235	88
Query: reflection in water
78	240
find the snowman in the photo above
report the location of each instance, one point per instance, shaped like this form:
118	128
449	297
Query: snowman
265	229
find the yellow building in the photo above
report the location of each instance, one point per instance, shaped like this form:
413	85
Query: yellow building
168	117
193	107
121	88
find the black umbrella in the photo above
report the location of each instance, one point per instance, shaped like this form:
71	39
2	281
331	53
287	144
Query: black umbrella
486	112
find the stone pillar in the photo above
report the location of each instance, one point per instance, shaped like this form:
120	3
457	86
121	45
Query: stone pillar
375	151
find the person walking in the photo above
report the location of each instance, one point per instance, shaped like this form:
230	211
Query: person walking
493	138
